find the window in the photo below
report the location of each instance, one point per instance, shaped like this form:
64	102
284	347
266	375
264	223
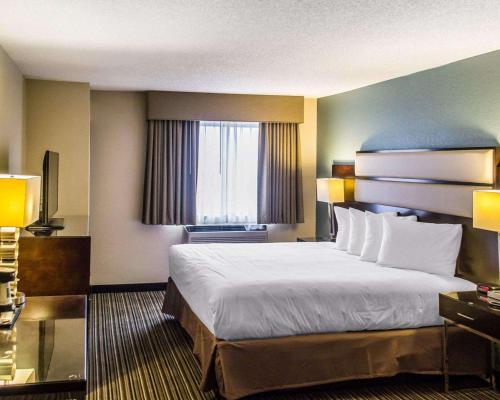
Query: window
227	173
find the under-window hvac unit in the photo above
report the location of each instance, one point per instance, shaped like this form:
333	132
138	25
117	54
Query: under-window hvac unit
225	233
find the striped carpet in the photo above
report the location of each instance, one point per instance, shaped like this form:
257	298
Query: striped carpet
138	353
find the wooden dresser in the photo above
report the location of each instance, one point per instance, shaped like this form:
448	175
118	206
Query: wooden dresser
58	264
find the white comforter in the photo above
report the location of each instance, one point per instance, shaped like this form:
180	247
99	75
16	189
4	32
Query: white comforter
247	291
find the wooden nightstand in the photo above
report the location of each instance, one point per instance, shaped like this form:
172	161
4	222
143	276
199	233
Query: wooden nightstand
465	310
315	239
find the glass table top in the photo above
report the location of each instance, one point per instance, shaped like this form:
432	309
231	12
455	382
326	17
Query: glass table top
47	344
472	299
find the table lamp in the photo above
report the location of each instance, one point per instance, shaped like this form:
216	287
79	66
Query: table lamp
486	210
19	205
334	190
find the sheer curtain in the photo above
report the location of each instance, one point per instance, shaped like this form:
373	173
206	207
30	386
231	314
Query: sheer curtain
227	173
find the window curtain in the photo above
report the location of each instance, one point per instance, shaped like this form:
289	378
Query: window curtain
279	193
227	173
171	172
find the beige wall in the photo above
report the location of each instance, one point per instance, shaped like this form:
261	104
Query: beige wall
11	116
123	249
58	119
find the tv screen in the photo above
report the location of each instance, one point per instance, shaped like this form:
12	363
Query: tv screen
50	186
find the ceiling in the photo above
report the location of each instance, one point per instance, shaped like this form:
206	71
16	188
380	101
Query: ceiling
304	47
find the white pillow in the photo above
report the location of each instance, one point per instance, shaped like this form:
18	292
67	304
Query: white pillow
373	234
356	231
431	248
342	237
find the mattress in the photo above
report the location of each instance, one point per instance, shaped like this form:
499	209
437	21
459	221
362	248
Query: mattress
267	290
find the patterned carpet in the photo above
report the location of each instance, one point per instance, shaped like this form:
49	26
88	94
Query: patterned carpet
138	353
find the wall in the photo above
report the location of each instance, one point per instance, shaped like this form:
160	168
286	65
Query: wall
123	249
11	116
456	105
58	119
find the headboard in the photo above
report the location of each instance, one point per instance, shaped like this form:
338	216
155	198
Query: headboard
440	180
436	185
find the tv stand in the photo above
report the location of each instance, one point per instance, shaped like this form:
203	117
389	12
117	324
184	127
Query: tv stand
43	229
58	264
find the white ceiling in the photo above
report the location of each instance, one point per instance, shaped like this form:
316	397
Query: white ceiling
308	47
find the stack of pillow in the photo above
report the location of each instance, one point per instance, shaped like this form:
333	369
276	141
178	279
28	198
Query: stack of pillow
399	242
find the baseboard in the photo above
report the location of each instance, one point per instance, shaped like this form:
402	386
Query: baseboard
128	287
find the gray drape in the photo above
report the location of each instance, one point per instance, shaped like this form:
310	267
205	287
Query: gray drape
171	173
279	198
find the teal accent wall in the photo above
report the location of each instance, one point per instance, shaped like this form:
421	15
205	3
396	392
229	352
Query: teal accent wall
456	105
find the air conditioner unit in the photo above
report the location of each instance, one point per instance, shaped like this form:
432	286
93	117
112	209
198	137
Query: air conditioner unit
225	234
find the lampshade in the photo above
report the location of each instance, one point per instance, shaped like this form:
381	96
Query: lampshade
19	200
335	190
486	209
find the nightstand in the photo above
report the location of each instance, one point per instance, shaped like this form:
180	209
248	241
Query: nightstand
465	310
315	239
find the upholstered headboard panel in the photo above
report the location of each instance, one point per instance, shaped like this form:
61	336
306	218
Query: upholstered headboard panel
448	199
441	181
458	165
437	186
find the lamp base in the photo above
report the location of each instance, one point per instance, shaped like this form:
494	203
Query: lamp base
10	299
331	219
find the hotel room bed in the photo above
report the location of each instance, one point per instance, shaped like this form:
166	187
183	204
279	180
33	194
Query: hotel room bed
258	291
285	315
280	316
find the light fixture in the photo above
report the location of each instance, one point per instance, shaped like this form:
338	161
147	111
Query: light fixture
334	190
19	205
486	210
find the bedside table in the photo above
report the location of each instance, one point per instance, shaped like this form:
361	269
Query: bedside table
315	239
465	310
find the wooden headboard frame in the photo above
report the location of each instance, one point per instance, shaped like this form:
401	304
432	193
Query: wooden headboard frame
478	258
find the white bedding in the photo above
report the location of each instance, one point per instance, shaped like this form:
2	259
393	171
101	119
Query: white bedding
247	291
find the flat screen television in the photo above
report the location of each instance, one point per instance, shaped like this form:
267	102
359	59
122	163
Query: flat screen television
50	187
49	198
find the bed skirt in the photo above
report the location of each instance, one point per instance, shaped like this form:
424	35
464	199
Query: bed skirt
244	367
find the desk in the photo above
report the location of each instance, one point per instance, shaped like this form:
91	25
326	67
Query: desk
48	346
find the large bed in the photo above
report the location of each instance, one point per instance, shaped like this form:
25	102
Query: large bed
257	291
286	315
